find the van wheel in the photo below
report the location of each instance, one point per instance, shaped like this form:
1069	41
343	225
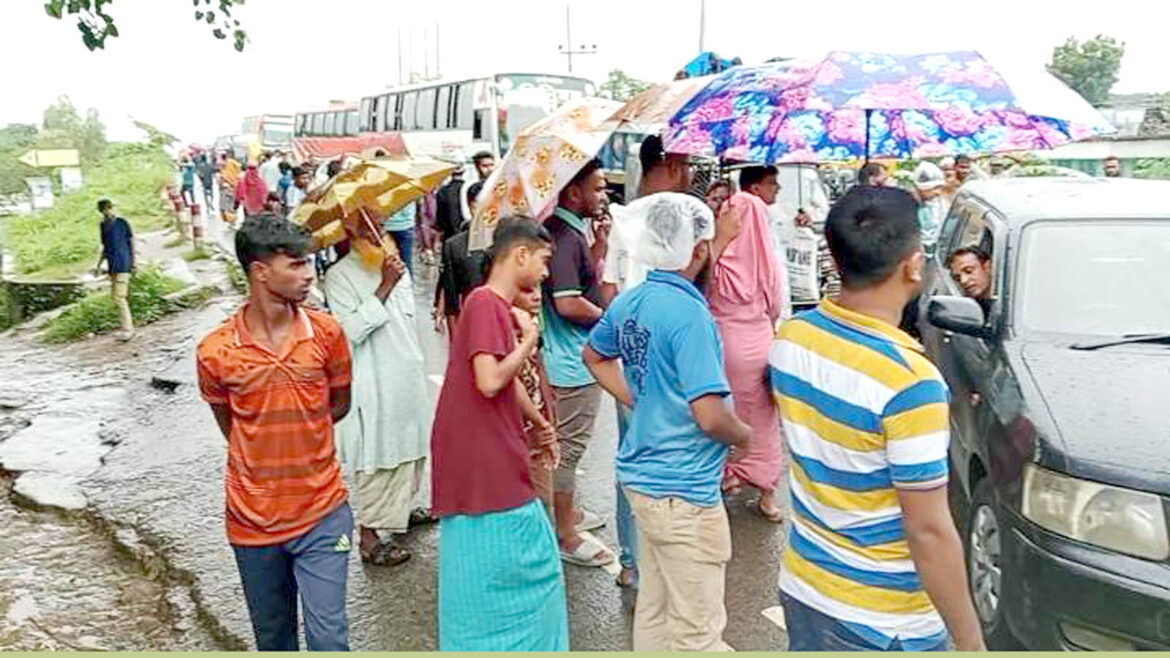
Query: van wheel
983	547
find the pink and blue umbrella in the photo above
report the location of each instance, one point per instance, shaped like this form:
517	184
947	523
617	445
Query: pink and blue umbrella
851	106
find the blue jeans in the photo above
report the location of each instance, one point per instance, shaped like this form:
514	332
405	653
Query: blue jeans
405	242
813	630
627	531
313	566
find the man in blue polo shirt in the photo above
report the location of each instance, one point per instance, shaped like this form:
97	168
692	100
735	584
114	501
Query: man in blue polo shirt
670	460
118	253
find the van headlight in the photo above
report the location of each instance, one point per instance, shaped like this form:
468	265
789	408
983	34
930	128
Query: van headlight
1122	520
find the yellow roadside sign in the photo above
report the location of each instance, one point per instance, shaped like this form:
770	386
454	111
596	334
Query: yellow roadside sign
51	158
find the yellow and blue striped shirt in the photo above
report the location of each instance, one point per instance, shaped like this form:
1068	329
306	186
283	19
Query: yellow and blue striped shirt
864	414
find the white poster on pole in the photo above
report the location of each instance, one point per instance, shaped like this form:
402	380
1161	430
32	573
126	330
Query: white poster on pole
41	190
71	180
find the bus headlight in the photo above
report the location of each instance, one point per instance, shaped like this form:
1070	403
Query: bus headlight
1122	520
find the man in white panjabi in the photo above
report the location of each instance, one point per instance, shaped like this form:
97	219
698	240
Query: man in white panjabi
384	440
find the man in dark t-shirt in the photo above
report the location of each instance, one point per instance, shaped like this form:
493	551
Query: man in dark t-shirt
118	254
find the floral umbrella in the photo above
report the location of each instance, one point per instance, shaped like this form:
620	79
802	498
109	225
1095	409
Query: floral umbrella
541	162
850	106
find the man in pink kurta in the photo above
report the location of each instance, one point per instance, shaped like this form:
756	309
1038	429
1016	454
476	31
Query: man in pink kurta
745	293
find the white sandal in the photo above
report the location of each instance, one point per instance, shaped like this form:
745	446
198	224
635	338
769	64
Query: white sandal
587	552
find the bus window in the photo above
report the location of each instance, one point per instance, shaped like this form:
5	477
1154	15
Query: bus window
443	109
330	123
393	101
319	123
406	118
465	106
300	125
375	117
479	129
367	113
424	113
353	122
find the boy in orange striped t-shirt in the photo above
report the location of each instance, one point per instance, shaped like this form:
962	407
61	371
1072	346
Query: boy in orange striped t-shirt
277	377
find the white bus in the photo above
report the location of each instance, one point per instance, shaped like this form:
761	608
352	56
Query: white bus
470	115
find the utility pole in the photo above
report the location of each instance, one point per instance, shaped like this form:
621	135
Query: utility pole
400	56
567	49
426	57
702	25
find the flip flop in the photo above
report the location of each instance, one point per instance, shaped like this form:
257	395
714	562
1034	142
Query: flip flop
386	555
421	516
586	554
589	521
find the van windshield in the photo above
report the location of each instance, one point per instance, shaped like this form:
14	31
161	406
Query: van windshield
1095	278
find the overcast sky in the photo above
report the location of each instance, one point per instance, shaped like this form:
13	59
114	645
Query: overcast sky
168	70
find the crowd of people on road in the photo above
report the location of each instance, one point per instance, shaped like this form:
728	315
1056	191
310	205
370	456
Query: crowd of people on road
676	307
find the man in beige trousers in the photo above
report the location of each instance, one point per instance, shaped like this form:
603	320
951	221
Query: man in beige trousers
118	253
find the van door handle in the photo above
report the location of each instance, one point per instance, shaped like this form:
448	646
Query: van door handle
947	335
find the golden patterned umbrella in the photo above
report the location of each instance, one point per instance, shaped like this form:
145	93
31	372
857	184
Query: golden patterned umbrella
541	162
381	187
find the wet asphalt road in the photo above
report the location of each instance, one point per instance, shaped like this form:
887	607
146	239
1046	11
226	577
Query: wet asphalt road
164	479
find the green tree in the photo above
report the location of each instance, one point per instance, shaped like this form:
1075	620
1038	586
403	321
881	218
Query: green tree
15	141
64	128
96	24
621	87
1090	68
1156	122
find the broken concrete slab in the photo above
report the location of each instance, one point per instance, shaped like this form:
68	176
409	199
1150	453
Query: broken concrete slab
48	490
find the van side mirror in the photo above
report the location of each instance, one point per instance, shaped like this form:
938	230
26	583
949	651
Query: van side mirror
961	315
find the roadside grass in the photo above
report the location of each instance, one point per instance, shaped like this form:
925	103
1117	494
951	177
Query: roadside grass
96	313
197	254
236	276
177	241
65	238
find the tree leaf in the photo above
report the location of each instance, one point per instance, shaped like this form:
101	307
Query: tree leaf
219	34
210	17
198	15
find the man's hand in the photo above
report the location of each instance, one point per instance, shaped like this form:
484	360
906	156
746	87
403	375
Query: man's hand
802	219
548	447
439	321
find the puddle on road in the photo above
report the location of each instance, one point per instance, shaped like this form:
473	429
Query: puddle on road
64	586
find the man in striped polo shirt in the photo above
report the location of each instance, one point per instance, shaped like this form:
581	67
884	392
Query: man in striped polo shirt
873	561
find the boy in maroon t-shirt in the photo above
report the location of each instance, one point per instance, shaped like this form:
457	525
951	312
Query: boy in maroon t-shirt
498	554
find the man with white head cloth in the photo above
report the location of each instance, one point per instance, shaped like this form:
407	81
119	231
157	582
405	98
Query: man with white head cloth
657	350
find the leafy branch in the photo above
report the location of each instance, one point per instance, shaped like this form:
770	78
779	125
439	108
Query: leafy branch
96	24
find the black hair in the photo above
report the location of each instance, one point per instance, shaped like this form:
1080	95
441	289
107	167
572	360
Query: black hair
333	168
285	167
651	153
749	176
103	204
482	155
586	171
514	232
983	256
868	172
869	231
264	236
300	171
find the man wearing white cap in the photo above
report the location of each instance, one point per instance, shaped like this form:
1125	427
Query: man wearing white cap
670	461
929	183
